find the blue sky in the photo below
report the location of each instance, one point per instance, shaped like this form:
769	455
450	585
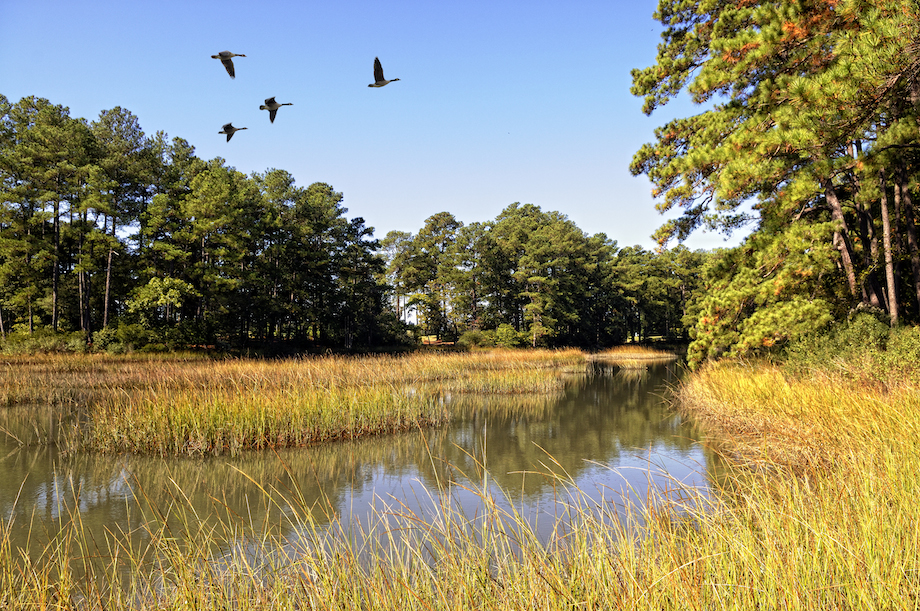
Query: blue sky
498	102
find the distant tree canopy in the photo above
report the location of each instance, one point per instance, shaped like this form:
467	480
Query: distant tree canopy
811	114
119	238
534	278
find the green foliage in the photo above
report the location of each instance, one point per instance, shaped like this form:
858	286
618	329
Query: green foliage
122	338
476	338
103	338
507	337
863	333
902	353
861	347
43	341
103	227
160	294
808	113
760	295
540	274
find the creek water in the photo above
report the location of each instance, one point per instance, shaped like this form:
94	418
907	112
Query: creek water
609	438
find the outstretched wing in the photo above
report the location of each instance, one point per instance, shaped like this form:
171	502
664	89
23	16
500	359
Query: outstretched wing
228	64
378	71
271	114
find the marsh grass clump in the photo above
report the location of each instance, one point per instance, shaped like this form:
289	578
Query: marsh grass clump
822	495
215	421
634	357
192	405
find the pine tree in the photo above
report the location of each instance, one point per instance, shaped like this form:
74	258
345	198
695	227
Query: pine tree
806	107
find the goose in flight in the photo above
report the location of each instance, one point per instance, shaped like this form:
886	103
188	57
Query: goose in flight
272	107
379	81
226	58
230	130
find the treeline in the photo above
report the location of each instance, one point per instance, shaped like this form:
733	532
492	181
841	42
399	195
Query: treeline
113	238
534	278
130	239
810	112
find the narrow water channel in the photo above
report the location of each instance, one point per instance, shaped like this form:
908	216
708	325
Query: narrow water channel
610	436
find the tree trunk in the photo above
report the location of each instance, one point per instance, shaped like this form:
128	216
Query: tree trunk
871	287
108	281
80	281
55	271
841	236
84	285
912	243
889	259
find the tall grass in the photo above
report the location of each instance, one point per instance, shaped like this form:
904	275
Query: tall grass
824	512
776	539
197	406
634	357
818	512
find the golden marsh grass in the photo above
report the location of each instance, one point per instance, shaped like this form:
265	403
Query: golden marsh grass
819	512
634	357
194	406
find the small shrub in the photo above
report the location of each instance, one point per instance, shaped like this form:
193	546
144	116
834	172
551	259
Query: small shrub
104	337
132	336
902	357
859	339
76	342
477	339
42	341
507	337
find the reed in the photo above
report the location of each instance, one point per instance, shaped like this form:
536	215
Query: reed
197	406
634	357
214	421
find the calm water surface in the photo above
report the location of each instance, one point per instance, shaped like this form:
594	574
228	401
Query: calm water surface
610	436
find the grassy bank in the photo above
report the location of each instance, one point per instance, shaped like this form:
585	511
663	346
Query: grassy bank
822	512
634	357
193	406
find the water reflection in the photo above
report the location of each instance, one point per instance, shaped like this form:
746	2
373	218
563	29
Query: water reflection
610	434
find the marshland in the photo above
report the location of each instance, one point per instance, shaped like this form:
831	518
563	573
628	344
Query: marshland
490	439
220	391
744	483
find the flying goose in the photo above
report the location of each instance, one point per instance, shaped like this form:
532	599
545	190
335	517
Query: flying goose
230	130
272	107
379	81
225	58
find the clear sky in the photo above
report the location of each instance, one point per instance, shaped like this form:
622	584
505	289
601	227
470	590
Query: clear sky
497	102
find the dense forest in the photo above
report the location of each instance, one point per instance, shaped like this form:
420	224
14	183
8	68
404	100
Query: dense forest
114	239
809	112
